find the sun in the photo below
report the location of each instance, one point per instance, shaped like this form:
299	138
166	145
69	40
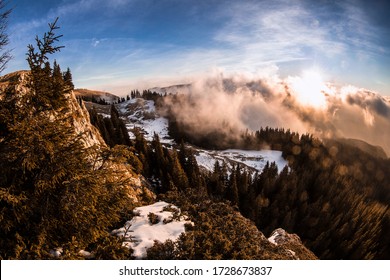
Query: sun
310	89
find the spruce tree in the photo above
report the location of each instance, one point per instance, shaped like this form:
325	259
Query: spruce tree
179	177
47	89
232	192
68	79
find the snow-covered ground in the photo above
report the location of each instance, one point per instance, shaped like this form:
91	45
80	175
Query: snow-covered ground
158	126
140	233
141	114
207	159
254	160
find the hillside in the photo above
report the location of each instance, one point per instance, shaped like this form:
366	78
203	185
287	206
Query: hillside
376	151
272	183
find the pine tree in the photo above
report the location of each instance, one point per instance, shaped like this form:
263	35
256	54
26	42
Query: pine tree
232	192
159	162
47	92
68	79
179	177
56	187
141	147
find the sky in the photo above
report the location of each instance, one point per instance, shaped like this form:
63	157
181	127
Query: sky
115	45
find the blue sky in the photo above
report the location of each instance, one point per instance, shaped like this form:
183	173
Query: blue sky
116	43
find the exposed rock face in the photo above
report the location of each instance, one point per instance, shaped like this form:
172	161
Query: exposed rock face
292	244
92	137
280	236
82	123
14	83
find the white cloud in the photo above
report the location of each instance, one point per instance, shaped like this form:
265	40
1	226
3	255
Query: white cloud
274	31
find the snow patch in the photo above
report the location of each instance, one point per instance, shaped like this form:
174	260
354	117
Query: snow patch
158	126
280	236
292	253
140	232
56	253
105	115
86	254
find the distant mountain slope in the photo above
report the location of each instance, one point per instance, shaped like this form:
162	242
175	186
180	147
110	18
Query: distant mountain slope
183	88
89	94
372	150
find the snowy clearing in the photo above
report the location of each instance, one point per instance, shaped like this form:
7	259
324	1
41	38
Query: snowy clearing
255	160
141	114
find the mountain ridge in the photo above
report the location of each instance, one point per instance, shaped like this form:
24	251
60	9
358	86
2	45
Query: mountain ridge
88	94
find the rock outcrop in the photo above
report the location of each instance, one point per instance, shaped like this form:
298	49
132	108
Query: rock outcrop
292	245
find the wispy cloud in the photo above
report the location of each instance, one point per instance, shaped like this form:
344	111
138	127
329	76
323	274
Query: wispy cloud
72	8
280	31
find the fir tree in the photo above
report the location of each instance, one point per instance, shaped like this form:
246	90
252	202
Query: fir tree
47	90
68	79
232	192
179	177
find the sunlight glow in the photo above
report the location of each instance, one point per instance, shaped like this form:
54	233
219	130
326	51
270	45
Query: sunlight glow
310	89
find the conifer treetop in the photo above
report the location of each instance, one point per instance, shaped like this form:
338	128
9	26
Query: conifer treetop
45	47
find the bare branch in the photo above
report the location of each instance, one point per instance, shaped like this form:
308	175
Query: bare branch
5	55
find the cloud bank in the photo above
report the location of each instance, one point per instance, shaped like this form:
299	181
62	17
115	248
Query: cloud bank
235	103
